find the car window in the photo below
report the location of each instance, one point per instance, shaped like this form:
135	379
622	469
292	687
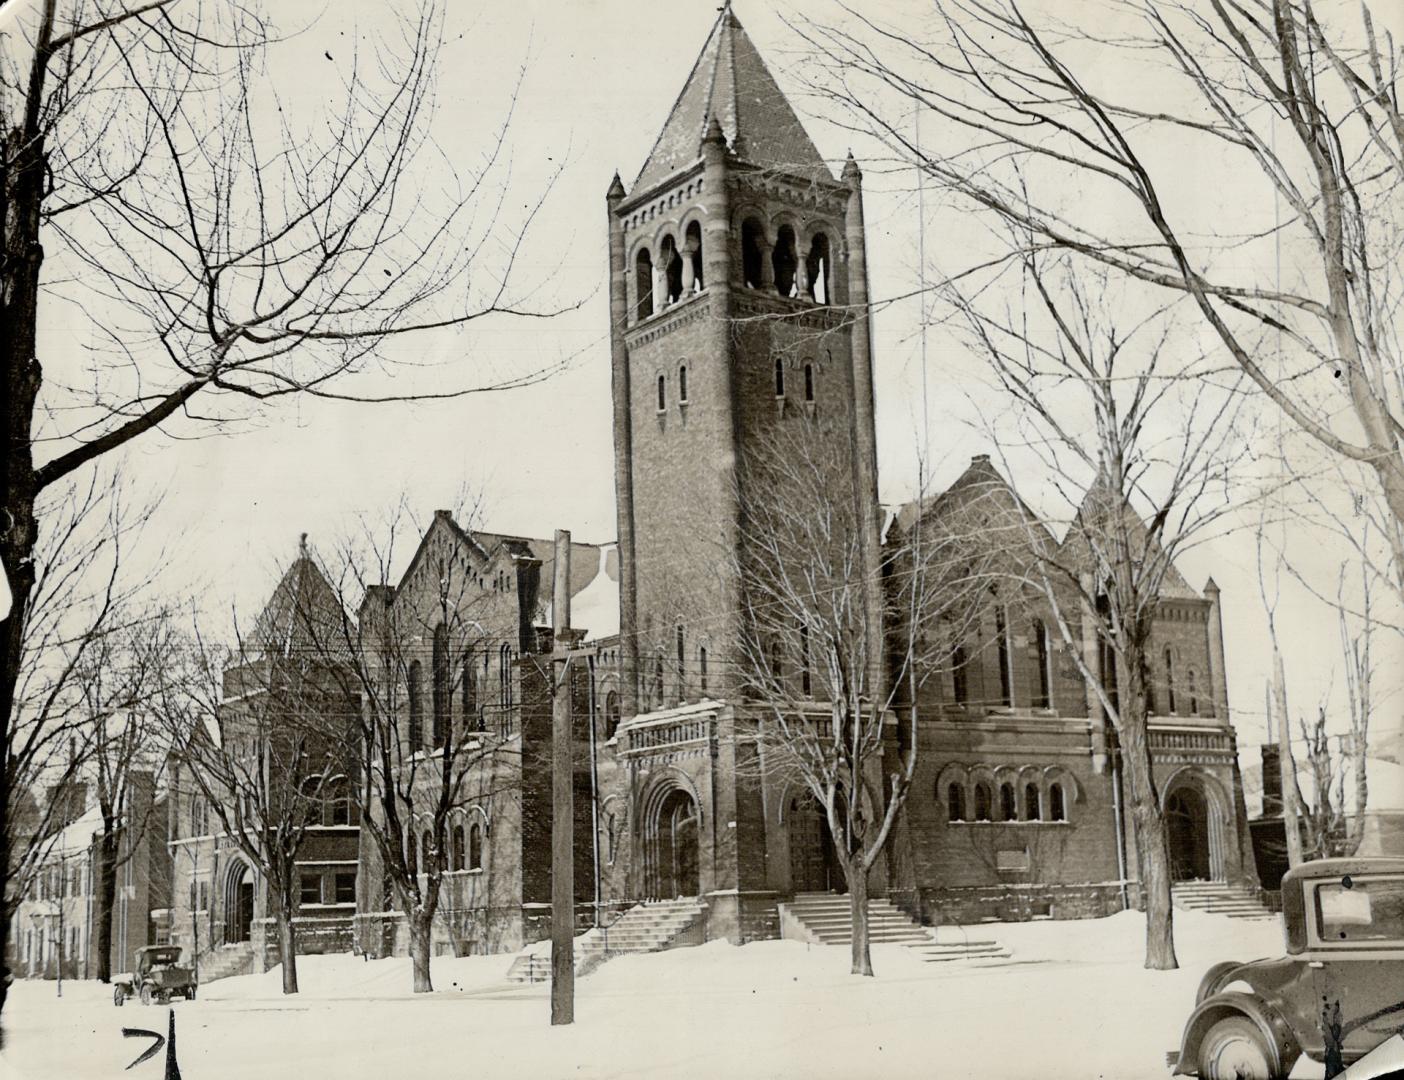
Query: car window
1355	910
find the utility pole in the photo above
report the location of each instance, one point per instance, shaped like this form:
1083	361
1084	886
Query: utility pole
562	795
1287	765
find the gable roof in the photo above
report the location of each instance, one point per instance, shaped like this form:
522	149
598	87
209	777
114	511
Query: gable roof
730	81
1173	585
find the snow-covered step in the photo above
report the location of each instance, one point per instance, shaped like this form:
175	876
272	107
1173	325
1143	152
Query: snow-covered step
643	928
827	919
1219	898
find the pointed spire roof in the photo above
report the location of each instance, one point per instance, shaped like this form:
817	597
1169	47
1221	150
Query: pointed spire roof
303	617
731	84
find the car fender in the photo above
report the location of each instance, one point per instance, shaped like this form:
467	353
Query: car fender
1275	1030
1212	977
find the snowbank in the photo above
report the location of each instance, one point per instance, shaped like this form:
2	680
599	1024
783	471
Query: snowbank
1073	1002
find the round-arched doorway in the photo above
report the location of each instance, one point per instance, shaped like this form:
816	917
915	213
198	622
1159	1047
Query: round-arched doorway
238	903
671	846
1187	824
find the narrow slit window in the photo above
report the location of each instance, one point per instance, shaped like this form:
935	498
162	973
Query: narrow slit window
702	670
682	384
662	393
779	377
808	382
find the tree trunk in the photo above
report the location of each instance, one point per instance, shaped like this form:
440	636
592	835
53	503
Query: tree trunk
1152	844
420	934
287	943
21	197
858	919
106	874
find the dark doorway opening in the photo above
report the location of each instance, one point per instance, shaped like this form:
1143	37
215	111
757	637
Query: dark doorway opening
672	850
813	864
1187	823
238	906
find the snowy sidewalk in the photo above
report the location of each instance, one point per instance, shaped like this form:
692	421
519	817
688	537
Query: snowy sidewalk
1078	1005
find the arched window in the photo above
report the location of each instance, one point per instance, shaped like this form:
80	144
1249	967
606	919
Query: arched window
412	852
779	377
955	803
702	670
1056	810
472	716
752	253
960	675
784	261
416	706
817	264
693	247
671	263
441	685
680	657
426	852
658	680
777	663
1169	682
341	807
643	277
682	384
662	393
1031	811
1193	696
611	714
1044	699
475	846
1006	680
805	682
808	382
982	801
1008	809
504	678
458	850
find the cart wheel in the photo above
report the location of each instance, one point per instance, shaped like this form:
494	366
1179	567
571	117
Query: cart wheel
146	995
118	997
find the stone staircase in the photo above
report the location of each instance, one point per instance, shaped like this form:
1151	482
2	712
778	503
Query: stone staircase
226	961
826	920
1219	898
643	928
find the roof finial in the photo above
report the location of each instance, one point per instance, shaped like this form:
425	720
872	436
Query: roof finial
302	546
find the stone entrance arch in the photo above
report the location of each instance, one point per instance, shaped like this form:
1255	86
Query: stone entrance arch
238	902
671	843
1196	823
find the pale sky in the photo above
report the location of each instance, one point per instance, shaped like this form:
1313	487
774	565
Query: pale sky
601	78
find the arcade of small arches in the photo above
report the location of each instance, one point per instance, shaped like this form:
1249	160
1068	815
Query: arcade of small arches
466	832
1009	794
778	256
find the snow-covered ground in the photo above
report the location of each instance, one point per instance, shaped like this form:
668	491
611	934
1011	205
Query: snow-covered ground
1075	1003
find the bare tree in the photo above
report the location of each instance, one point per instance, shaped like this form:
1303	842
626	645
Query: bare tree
805	657
223	253
1294	270
83	605
430	735
1138	440
262	730
117	683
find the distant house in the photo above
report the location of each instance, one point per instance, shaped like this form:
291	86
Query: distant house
55	925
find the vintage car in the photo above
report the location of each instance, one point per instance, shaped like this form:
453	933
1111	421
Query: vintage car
1336	994
158	977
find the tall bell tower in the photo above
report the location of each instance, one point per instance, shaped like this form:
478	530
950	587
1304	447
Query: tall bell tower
738	302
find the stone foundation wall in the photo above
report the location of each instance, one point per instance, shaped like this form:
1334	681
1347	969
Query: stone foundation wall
1014	903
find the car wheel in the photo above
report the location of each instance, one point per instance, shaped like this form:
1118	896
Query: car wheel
118	998
1234	1049
146	995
